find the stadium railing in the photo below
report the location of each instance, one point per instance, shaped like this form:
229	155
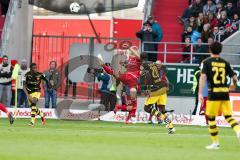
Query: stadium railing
58	47
165	51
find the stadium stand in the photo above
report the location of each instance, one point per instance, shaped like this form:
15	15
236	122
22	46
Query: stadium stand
171	29
216	19
210	19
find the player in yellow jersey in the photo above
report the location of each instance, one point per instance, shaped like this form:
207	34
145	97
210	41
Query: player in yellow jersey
32	89
216	70
157	87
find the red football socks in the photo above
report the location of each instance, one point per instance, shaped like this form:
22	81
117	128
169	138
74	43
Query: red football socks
3	108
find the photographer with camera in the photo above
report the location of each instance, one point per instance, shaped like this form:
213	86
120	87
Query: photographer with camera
53	77
103	79
148	36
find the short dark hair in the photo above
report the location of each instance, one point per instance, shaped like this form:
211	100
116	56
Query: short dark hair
144	56
147	23
5	56
33	65
108	64
216	48
55	62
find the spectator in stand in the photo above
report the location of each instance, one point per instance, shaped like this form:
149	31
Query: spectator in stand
187	47
193	10
200	22
200	48
187	33
54	79
215	34
185	16
206	33
238	7
21	96
148	35
6	81
210	41
196	34
218	16
4	6
231	10
223	21
197	7
190	22
157	29
235	22
212	20
210	7
220	8
228	32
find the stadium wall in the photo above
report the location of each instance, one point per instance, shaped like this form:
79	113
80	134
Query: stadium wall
80	26
141	116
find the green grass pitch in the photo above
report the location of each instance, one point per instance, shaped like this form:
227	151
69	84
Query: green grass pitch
80	140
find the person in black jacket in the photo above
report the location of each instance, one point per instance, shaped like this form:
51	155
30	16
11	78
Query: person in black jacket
148	35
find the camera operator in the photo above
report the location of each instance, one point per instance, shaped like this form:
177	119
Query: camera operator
103	79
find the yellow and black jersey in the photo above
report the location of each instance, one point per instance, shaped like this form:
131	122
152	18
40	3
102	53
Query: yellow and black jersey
32	81
151	76
217	70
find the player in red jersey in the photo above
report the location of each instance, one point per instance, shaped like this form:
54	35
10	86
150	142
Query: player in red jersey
129	79
133	62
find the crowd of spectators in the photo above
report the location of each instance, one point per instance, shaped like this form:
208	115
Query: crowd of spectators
208	19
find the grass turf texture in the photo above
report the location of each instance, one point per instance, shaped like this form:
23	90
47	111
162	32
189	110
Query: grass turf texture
71	140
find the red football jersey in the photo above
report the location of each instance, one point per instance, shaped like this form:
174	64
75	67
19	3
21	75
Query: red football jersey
129	79
133	65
